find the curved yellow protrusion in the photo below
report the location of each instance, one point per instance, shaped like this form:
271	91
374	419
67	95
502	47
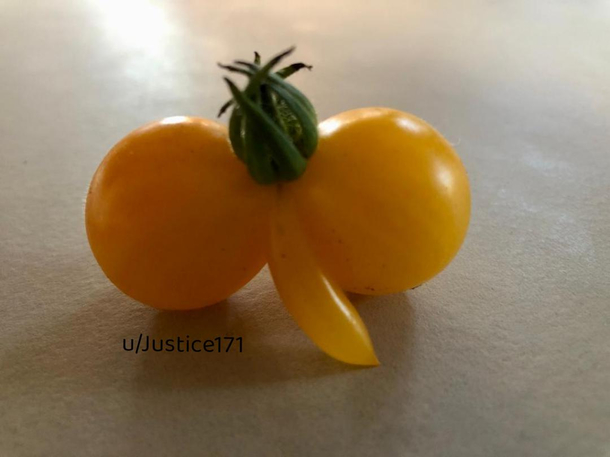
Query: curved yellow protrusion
315	302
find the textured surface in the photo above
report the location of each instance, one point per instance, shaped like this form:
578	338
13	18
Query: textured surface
506	353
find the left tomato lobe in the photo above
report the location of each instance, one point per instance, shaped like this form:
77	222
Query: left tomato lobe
173	218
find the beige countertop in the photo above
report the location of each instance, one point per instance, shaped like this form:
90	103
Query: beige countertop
506	353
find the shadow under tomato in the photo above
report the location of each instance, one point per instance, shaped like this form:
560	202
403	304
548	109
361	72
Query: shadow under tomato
273	353
391	321
273	348
85	346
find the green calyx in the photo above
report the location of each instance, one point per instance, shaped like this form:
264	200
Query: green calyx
273	126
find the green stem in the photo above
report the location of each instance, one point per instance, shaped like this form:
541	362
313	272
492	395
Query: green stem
273	126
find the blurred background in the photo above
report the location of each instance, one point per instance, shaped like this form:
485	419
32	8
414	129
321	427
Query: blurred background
506	353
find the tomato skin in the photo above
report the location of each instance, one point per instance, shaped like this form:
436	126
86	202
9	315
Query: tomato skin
314	301
173	218
385	201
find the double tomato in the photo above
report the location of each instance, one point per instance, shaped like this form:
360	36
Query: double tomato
176	221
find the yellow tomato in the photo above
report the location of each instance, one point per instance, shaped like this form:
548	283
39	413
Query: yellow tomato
174	219
385	200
